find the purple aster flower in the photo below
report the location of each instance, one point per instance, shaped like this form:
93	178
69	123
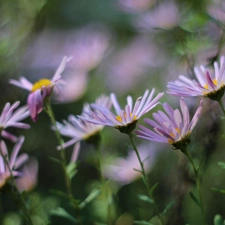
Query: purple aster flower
173	127
11	118
78	130
39	90
125	119
12	163
207	84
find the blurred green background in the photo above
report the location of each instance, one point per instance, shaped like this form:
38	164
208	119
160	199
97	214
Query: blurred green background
119	46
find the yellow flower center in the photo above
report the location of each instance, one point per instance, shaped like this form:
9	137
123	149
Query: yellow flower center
41	83
118	118
206	86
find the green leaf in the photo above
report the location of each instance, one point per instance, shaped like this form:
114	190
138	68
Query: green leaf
93	194
143	222
152	189
218	220
71	170
218	190
145	198
194	198
169	205
221	164
63	213
59	193
55	160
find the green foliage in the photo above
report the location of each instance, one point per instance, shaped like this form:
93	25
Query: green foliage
71	169
142	222
218	190
194	198
221	164
193	21
145	198
168	206
218	220
63	213
93	195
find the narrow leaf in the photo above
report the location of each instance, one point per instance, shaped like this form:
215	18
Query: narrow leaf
218	220
152	189
145	198
218	190
93	194
71	170
194	198
63	213
221	164
169	205
143	222
55	160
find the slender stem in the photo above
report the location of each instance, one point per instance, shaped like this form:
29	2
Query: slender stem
18	195
103	183
222	106
198	183
50	113
145	178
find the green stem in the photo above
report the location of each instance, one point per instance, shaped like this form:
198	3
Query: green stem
222	106
198	183
18	195
50	113
145	178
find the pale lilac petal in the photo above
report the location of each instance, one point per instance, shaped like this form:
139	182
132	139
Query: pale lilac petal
115	103
196	116
15	151
60	69
9	136
35	104
22	83
21	160
75	153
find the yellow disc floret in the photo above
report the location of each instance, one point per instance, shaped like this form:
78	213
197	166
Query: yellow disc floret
41	83
118	118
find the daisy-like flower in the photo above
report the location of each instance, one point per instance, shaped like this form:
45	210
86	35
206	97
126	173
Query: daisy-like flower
11	117
173	127
78	130
39	90
208	84
125	119
12	163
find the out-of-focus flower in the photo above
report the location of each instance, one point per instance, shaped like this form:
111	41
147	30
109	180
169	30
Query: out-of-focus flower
124	170
164	16
130	65
208	84
11	118
132	6
87	45
13	163
78	130
217	11
40	90
71	87
28	180
125	119
171	127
